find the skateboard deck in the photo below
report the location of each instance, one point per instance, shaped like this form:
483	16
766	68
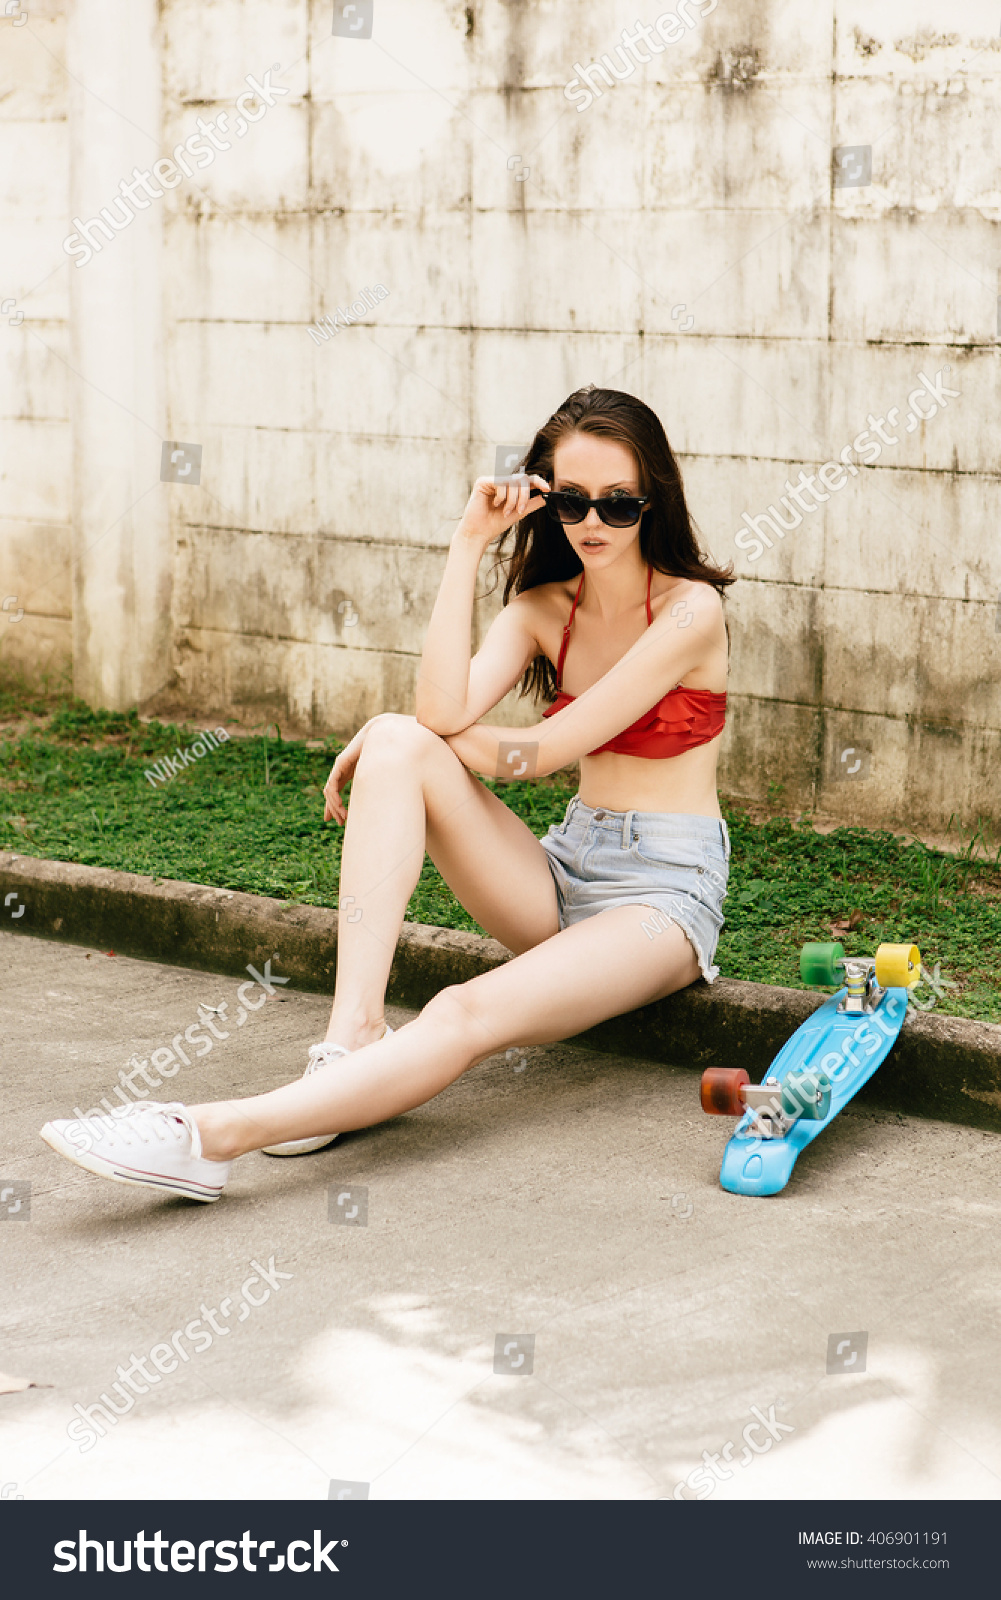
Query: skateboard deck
818	1070
764	1166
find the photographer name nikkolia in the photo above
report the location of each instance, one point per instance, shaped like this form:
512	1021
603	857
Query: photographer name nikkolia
170	766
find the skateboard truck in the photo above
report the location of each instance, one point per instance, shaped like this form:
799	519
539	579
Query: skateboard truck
863	991
774	1107
866	978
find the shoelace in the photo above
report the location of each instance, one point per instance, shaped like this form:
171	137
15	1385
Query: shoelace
156	1123
321	1054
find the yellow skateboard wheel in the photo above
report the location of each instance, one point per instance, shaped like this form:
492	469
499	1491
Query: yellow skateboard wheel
898	966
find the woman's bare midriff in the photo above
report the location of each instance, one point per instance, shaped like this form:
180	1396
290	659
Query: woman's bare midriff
668	783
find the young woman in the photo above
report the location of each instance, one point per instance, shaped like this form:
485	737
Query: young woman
612	614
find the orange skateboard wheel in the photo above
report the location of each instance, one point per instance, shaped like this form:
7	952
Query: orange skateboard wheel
720	1091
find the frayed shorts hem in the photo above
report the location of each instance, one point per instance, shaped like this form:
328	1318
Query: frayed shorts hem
673	866
708	971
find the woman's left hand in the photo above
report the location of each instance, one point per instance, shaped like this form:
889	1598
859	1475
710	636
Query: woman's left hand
334	809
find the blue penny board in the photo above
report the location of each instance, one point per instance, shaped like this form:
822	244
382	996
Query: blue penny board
764	1166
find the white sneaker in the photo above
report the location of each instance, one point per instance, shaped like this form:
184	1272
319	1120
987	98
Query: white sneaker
320	1055
157	1146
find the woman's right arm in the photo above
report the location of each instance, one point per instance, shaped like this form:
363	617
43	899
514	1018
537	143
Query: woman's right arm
449	695
445	701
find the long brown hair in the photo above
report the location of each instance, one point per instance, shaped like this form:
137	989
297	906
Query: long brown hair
542	553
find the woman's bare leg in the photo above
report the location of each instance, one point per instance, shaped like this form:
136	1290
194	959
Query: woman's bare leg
411	793
595	969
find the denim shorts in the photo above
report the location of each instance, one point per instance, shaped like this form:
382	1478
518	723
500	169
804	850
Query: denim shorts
672	861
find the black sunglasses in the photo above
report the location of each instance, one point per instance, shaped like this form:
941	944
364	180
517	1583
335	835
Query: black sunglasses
615	511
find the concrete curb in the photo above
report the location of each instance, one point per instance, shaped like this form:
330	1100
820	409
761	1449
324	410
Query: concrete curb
943	1067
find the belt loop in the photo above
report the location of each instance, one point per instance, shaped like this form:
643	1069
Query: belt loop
724	836
627	828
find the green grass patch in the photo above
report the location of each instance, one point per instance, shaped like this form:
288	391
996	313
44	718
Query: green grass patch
249	816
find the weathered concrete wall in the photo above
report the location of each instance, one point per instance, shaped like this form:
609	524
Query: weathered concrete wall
682	236
36	443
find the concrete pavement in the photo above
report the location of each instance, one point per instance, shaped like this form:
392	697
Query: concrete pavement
563	1199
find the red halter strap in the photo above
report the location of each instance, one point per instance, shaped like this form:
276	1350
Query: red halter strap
566	631
566	637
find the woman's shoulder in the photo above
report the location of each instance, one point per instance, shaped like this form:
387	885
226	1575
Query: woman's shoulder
695	603
546	600
684	597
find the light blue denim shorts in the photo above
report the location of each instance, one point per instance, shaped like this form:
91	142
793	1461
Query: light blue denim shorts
672	861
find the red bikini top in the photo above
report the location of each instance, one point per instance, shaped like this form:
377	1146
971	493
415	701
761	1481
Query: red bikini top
683	719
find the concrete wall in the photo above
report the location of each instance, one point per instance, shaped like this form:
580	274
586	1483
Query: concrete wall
681	236
36	442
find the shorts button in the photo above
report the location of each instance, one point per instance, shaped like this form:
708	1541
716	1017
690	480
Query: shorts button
599	816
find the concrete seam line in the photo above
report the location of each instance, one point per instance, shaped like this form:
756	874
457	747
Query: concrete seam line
944	1067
